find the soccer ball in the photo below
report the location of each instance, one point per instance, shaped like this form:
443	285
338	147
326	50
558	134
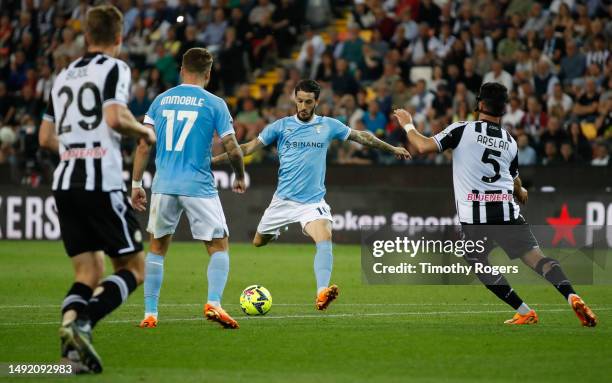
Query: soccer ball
255	300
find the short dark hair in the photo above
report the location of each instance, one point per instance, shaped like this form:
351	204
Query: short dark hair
103	24
308	86
495	97
197	60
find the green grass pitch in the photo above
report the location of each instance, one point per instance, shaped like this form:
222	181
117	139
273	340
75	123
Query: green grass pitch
372	333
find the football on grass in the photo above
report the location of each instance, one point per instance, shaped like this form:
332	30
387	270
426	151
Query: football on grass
255	300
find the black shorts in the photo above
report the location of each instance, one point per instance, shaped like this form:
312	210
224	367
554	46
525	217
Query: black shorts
97	220
514	237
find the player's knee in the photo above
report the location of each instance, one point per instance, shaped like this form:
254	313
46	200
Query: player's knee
258	242
135	264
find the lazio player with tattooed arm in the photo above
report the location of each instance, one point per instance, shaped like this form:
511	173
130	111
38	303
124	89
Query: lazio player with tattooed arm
185	119
302	141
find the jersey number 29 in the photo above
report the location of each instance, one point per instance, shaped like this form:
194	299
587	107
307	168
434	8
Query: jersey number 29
170	116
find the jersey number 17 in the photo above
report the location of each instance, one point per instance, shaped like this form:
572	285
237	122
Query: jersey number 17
170	116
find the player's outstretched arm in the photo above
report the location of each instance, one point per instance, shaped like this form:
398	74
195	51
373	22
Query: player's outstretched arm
422	144
248	148
234	153
119	118
141	159
519	191
368	139
47	138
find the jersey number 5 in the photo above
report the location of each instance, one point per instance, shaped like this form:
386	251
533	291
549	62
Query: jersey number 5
190	116
486	158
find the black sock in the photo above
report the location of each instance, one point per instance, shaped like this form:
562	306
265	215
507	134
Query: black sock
498	284
506	294
555	276
77	298
116	289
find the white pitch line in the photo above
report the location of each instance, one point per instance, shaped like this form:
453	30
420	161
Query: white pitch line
10	307
322	316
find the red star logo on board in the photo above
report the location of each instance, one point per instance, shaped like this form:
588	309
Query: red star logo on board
564	226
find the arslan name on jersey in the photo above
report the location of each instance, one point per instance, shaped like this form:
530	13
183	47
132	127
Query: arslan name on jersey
485	164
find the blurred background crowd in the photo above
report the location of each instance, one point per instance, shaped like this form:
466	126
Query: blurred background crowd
370	56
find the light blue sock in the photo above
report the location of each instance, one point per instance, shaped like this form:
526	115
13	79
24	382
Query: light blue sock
323	264
218	268
154	276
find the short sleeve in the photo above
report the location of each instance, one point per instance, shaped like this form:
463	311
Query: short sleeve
514	166
339	131
149	117
450	137
223	120
270	133
117	84
49	114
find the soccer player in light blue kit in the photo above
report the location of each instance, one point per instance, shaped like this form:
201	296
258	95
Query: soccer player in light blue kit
185	119
302	141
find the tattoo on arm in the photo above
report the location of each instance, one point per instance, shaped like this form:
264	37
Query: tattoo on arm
234	154
368	139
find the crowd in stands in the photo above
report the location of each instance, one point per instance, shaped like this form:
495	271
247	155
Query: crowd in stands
427	56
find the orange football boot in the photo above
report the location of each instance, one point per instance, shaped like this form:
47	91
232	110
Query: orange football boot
217	314
583	312
148	322
326	297
530	318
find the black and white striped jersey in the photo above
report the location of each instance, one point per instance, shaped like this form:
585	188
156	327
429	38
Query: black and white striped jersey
485	164
89	149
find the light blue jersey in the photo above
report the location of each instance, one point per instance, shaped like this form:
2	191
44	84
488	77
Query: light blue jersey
185	119
302	152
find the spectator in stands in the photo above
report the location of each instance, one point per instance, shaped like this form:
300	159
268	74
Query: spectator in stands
139	105
230	64
263	9
508	47
573	64
7	106
285	21
526	154
544	80
514	114
601	153
554	132
535	119
352	49
362	15
536	21
499	75
567	155
374	120
588	101
422	98
551	154
343	81
469	77
560	99
418	51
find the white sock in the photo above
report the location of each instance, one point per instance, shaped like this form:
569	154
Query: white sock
523	309
320	289
154	315
214	303
569	298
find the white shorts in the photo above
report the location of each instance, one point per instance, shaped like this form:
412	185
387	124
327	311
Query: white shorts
205	216
282	212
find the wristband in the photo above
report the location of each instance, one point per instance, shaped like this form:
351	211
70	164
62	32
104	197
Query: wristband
136	184
408	127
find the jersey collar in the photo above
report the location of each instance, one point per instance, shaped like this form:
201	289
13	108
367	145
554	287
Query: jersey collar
312	120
